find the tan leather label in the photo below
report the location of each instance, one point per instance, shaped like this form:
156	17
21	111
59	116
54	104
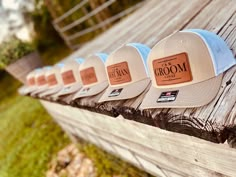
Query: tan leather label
173	69
31	81
68	77
88	76
41	80
119	73
52	80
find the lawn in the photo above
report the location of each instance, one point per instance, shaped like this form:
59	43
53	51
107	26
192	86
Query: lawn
29	137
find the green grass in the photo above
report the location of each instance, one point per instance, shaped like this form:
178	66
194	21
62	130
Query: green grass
28	137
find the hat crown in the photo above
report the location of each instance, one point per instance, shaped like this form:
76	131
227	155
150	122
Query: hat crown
92	70
70	72
40	77
54	77
127	64
188	57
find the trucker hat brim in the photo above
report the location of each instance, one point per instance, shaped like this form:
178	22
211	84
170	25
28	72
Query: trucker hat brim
69	89
194	95
51	91
91	90
126	91
39	90
22	90
29	89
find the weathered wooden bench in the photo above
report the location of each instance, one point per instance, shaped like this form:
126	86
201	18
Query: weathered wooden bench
140	136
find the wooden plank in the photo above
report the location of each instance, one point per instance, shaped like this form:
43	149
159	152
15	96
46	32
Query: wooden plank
104	23
154	169
83	127
158	157
196	151
86	17
178	16
71	11
134	19
126	155
144	20
213	16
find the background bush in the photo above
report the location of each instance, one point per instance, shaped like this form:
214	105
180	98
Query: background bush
12	50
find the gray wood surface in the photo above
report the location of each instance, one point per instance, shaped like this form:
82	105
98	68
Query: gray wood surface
178	153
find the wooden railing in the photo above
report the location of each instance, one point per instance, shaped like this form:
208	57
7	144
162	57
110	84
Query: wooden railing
70	39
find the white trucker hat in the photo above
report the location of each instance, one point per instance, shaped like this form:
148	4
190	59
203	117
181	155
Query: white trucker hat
93	75
186	69
30	83
41	82
70	77
127	72
34	75
54	80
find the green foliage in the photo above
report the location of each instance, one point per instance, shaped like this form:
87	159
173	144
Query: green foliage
46	11
12	50
45	35
49	57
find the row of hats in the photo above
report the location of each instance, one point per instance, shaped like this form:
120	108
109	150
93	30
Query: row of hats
185	69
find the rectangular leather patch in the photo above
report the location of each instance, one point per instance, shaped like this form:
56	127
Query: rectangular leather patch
88	76
173	69
68	77
41	80
31	81
119	73
52	80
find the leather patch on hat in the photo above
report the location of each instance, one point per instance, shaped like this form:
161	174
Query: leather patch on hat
41	80
52	80
88	76
31	81
119	73
173	69
68	77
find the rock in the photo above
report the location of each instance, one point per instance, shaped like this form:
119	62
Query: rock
62	173
71	163
86	169
51	174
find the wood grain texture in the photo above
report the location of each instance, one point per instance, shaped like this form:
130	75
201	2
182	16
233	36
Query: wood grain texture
216	159
154	21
